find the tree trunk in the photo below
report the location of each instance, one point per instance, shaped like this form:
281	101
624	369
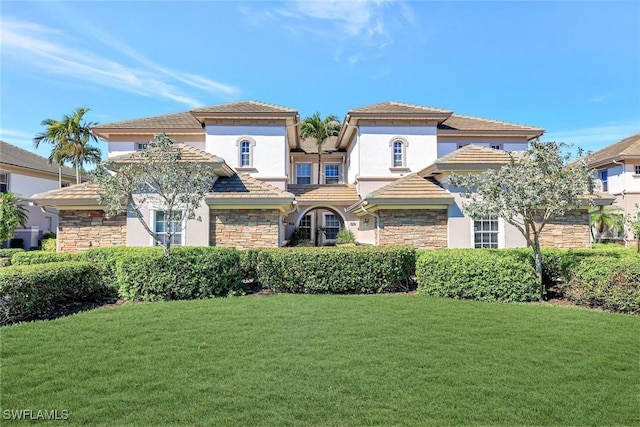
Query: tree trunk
77	175
59	176
319	167
538	261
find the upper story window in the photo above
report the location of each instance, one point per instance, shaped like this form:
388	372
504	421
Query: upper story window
245	152
4	182
141	146
398	152
485	232
303	173
604	177
497	146
637	169
166	223
331	173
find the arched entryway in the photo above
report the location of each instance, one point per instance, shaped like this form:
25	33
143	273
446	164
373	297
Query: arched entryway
319	225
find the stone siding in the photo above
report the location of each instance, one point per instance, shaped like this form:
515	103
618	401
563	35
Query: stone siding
82	230
244	228
568	231
421	228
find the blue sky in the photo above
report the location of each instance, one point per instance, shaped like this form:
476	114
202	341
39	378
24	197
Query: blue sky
572	68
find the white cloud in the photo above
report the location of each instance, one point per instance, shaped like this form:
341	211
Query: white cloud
18	138
46	49
596	137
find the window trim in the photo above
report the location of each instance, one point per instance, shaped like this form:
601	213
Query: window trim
310	228
405	144
154	212
324	225
500	234
310	172
6	182
636	169
144	144
604	179
324	168
252	144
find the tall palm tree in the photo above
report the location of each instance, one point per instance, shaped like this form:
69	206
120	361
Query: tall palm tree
70	138
13	213
605	218
320	129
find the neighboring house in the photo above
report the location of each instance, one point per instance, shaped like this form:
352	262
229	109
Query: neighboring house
383	177
24	173
617	169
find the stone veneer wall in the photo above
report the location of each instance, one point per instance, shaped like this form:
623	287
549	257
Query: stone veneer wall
82	230
244	228
421	228
568	231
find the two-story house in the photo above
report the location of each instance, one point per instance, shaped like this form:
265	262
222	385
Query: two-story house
25	173
617	169
383	177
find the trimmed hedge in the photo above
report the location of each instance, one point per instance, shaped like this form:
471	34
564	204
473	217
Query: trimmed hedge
42	257
605	282
336	270
49	245
483	275
7	254
41	291
249	265
189	273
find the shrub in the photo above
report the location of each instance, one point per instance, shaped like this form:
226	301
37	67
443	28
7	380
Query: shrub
248	265
40	291
42	257
49	245
105	259
7	254
483	275
189	273
336	270
605	282
345	236
49	235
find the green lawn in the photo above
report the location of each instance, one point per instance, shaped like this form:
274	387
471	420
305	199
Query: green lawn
327	360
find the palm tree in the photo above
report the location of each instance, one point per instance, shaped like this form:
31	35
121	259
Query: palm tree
12	213
320	129
605	218
70	138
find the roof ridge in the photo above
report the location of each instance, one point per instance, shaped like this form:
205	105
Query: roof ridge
268	104
393	184
621	142
31	153
260	182
147	118
502	122
423	107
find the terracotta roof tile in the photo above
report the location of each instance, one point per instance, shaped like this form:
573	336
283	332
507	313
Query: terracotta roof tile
85	192
334	193
392	107
627	147
244	107
189	154
15	156
411	186
475	154
184	121
245	187
308	145
469	123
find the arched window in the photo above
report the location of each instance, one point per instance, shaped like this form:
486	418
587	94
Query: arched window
245	152
398	147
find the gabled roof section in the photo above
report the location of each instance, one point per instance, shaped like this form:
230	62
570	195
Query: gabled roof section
168	123
245	107
397	108
458	124
11	155
243	186
334	194
628	147
309	146
469	157
85	194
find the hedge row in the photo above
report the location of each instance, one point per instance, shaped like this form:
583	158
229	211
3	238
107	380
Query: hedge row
336	270
483	275
40	291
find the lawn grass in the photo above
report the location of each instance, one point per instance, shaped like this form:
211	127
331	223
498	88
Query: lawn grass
327	360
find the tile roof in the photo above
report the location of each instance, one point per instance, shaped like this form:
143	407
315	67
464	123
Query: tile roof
475	154
15	156
189	155
469	123
411	186
245	187
334	193
244	107
184	121
392	107
79	192
308	145
627	147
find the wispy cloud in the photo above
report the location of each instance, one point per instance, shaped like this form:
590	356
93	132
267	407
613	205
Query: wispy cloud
357	30
596	137
49	50
18	138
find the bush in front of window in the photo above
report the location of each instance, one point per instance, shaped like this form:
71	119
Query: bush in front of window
344	237
359	270
483	275
40	291
189	273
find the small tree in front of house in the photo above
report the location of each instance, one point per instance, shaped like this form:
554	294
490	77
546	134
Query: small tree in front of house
632	224
532	189
13	213
158	177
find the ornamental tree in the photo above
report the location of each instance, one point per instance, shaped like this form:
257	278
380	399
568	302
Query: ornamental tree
155	176
13	213
533	188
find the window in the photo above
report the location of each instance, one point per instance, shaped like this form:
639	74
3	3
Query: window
142	147
165	222
496	146
304	229
4	182
331	226
637	168
303	173
485	232
245	152
397	154
331	173
604	177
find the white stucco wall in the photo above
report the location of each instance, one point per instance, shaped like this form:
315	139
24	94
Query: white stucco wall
622	178
448	144
353	166
119	145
